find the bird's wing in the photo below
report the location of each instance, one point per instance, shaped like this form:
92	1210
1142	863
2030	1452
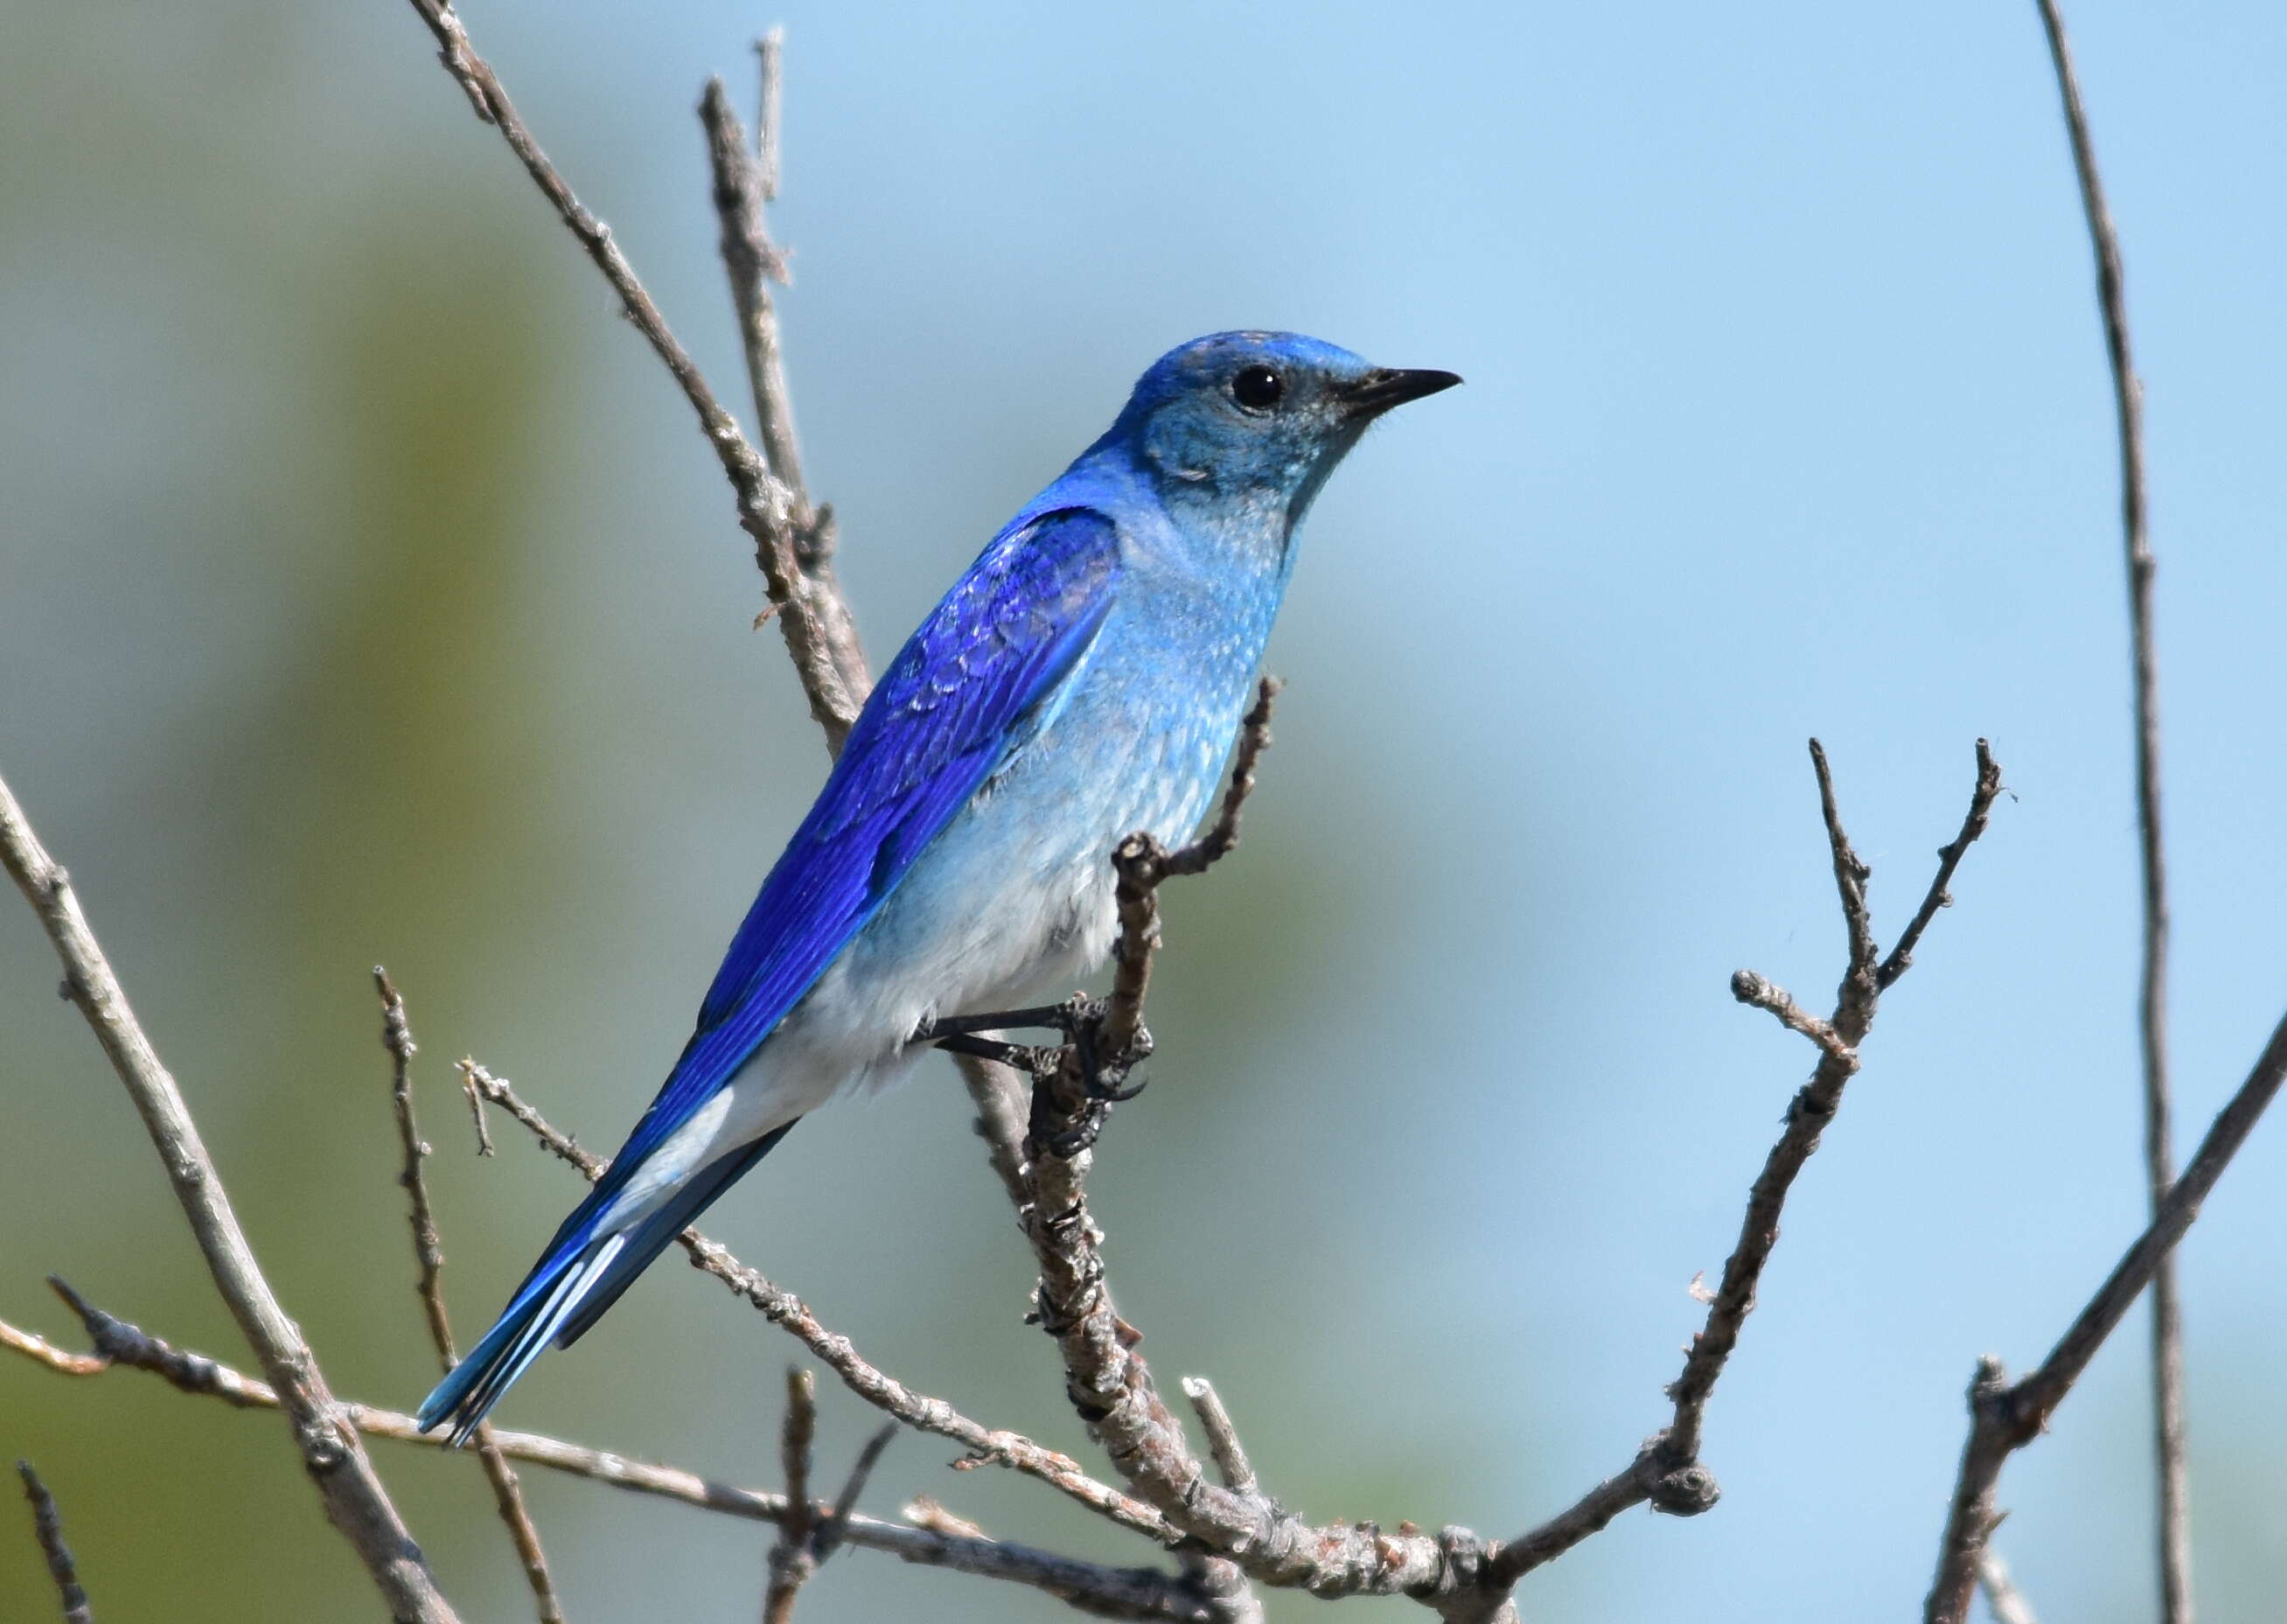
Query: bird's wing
962	695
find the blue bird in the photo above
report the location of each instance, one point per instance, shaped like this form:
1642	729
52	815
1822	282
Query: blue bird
1084	680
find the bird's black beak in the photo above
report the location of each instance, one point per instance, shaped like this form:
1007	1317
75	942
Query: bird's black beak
1388	386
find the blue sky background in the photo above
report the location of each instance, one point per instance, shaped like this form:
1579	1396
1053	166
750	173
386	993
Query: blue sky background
365	593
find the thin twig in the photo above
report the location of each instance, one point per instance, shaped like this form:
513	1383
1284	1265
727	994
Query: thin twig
1762	993
1106	1592
924	1511
2004	1417
2168	1417
428	1251
2003	1598
985	1445
477	1114
745	181
1229	1456
1949	858
1000	1095
791	1559
429	1259
48	1529
355	1502
830	1531
811	615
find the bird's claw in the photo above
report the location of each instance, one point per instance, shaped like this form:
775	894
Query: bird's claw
1103	1080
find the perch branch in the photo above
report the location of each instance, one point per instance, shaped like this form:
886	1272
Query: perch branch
1105	1592
355	1502
765	506
429	1259
2004	1416
2168	1419
48	1529
1109	1382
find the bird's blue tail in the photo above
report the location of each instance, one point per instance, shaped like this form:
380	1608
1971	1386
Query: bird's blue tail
582	1274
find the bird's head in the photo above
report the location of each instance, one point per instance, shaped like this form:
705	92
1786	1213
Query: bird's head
1251	423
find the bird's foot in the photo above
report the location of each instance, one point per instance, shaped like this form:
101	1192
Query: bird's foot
1078	1082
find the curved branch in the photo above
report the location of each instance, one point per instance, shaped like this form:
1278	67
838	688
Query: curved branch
355	1502
2004	1417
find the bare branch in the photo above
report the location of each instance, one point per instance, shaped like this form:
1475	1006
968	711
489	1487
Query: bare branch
2002	1597
1859	987
2003	1418
1223	1438
48	1529
1667	1471
1110	1387
923	1511
428	1258
1949	858
885	1393
1764	993
428	1251
794	1559
40	1351
845	1504
1105	1592
744	181
2168	1417
766	507
1001	1099
355	1502
477	1113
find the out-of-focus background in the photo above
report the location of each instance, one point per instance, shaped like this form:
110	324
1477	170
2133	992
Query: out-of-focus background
365	595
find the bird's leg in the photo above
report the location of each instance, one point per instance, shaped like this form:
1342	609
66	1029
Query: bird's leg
1032	1057
961	1034
1055	1017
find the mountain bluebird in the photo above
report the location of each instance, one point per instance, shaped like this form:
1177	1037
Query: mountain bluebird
1084	680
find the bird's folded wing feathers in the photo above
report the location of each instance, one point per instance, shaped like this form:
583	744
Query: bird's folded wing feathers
948	711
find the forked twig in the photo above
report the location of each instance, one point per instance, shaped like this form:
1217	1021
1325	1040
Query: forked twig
2006	1416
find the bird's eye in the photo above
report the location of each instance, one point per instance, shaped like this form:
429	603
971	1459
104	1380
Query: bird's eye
1257	388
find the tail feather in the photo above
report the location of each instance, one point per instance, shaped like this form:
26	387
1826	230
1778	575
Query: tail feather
579	1276
653	1235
